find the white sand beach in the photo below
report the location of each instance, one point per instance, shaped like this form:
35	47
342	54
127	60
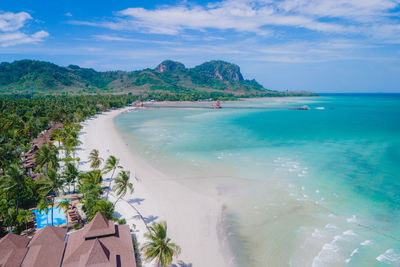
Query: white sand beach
193	219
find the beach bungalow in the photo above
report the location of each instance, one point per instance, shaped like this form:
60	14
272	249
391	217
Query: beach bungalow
28	158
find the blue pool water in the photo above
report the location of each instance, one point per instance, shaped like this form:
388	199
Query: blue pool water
42	219
302	188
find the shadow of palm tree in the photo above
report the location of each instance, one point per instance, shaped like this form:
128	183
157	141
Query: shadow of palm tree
182	264
136	201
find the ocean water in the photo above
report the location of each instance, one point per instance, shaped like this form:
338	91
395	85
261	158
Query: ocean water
318	187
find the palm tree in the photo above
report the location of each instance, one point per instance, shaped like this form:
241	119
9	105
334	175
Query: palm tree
50	185
70	175
159	247
112	163
71	143
46	157
63	205
12	183
57	135
24	216
91	177
105	207
95	159
43	206
122	185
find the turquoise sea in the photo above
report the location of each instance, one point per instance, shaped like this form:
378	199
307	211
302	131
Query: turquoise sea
318	187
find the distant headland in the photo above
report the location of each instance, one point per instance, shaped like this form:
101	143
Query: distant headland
213	79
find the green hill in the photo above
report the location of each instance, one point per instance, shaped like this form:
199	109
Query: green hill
213	78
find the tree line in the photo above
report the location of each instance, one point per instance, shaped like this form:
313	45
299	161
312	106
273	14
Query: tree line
21	120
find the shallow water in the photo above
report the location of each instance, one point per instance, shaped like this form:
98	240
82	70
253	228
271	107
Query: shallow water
316	187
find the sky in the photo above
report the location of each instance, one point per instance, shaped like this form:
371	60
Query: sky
313	45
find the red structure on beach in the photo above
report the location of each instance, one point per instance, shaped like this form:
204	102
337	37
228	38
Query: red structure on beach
217	105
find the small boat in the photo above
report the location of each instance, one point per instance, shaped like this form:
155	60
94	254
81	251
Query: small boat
301	108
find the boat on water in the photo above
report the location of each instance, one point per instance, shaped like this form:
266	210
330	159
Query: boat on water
301	108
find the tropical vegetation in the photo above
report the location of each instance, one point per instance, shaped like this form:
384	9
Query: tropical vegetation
23	118
159	246
213	79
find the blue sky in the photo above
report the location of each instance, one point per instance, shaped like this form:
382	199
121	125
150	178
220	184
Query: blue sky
314	45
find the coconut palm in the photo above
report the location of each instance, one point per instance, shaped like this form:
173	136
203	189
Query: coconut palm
91	177
24	216
46	157
71	173
71	143
63	205
57	135
159	247
122	185
112	163
50	185
43	206
95	159
12	183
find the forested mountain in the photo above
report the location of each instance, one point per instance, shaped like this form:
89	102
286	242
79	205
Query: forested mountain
210	78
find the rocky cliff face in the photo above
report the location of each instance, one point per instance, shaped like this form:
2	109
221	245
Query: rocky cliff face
169	65
221	70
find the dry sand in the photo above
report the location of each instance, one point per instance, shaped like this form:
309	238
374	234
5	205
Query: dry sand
193	219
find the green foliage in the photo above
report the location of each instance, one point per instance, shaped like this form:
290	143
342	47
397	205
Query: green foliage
122	185
70	174
92	206
76	226
122	221
22	118
159	246
24	216
46	157
91	177
95	159
63	205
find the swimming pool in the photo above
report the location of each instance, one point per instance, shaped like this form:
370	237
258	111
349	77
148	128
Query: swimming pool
42	219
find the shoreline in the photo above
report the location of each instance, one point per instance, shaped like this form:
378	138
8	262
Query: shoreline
194	219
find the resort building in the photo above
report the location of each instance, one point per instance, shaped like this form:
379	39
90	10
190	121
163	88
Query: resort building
46	247
99	243
12	250
28	158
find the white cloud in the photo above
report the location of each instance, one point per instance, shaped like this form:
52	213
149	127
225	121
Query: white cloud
105	37
227	15
68	14
15	38
11	25
262	17
13	21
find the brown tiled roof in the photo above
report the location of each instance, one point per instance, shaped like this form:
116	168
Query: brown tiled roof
98	255
46	248
99	226
12	250
115	248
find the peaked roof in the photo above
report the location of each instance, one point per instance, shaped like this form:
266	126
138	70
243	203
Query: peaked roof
98	255
98	227
12	250
13	241
48	235
114	250
46	248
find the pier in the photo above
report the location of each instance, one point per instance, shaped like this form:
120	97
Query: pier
216	105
